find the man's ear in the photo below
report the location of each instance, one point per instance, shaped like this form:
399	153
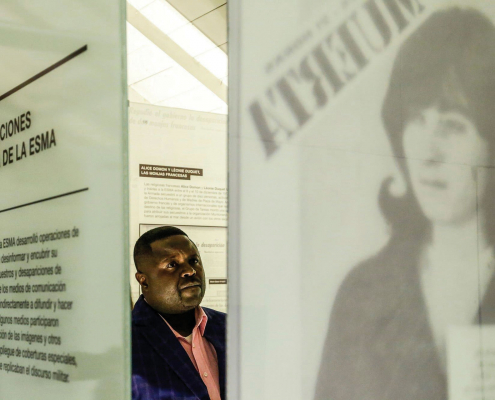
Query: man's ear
142	280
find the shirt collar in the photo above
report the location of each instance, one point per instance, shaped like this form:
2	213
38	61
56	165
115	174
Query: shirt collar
201	320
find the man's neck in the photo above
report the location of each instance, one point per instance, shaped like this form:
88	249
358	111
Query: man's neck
182	323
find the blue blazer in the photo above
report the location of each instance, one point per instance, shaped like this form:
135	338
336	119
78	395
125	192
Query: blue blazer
161	368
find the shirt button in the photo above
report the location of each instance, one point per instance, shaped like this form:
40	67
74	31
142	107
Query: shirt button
205	374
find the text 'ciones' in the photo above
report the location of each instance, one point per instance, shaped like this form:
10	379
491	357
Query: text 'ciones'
29	147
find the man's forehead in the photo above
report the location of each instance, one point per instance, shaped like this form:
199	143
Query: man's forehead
172	245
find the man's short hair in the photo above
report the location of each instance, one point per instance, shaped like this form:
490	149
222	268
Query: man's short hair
143	244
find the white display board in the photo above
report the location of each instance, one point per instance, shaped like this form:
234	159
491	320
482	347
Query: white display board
178	176
360	222
64	298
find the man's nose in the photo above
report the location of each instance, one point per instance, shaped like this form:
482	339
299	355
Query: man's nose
187	270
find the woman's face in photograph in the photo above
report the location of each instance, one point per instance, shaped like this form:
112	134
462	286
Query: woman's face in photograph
442	149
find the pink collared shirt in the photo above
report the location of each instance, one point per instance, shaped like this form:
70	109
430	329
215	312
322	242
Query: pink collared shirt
202	354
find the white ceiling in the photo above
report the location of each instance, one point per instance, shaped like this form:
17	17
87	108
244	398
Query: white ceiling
193	76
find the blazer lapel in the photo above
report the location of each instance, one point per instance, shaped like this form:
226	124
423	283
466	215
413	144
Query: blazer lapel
162	339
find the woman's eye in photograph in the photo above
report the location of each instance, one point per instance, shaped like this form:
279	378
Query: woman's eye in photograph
454	125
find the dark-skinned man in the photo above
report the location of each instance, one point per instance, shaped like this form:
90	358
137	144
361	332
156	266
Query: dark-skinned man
178	347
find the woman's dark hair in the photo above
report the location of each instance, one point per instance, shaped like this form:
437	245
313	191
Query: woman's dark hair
448	62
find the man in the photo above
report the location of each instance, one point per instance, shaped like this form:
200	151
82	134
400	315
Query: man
178	347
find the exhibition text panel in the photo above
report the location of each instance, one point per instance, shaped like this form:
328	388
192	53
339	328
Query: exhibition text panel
62	308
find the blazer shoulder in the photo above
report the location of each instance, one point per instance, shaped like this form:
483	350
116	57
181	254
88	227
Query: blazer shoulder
213	312
217	315
217	320
142	312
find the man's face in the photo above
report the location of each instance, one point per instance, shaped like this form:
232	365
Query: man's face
172	277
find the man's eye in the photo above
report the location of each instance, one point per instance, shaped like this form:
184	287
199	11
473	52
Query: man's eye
194	261
173	264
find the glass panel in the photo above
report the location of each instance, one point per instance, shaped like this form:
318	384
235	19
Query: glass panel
63	321
362	238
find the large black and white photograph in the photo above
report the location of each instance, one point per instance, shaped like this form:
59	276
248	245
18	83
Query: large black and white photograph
390	322
371	144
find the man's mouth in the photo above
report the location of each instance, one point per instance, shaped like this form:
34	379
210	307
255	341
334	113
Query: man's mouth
190	285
